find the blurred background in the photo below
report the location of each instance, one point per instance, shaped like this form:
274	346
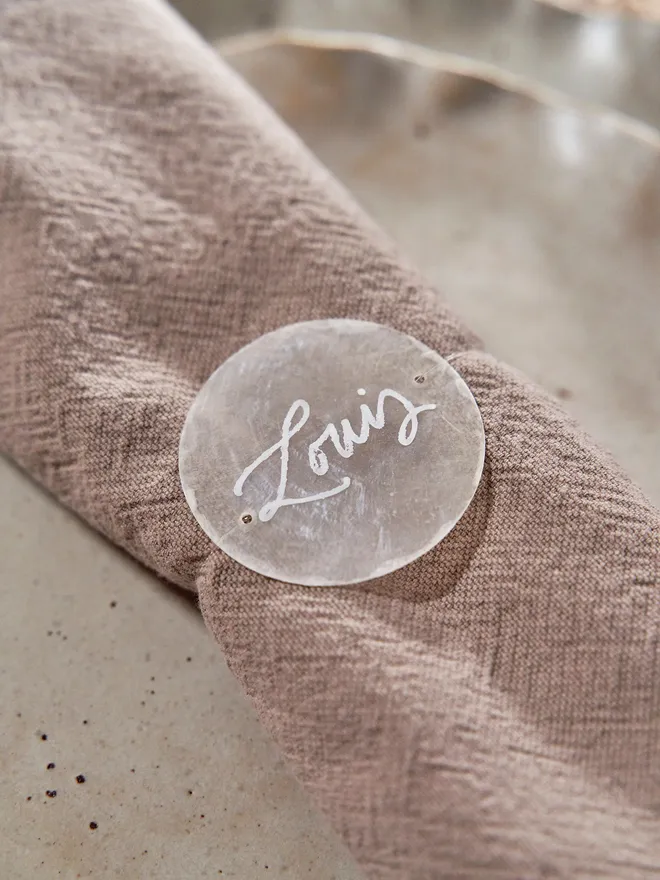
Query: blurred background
610	54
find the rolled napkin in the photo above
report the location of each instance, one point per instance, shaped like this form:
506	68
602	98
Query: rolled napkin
491	710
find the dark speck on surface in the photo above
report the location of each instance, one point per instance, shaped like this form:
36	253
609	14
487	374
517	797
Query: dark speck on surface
44	736
153	678
188	659
201	816
422	130
132	769
93	825
189	791
29	797
49	633
113	604
80	778
50	766
51	793
85	721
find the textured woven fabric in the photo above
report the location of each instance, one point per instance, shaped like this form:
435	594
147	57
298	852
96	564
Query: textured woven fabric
492	710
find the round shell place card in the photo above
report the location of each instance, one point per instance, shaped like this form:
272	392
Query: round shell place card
331	452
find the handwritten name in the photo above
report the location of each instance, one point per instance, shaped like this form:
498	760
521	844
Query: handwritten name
344	443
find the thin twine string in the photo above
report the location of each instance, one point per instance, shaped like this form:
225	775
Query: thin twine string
457	354
450	359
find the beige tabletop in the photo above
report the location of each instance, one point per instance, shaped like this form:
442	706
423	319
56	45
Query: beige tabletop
648	8
109	675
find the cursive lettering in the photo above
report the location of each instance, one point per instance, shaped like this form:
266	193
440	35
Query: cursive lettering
344	444
318	460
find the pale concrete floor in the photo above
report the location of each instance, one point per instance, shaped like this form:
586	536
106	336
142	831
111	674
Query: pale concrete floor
121	676
179	777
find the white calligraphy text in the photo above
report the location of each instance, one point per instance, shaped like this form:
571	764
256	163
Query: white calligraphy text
344	443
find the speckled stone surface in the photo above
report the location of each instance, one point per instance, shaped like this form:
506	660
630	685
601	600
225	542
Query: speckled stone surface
107	674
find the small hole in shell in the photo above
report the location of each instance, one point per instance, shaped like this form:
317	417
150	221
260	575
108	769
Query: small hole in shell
420	379
246	518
